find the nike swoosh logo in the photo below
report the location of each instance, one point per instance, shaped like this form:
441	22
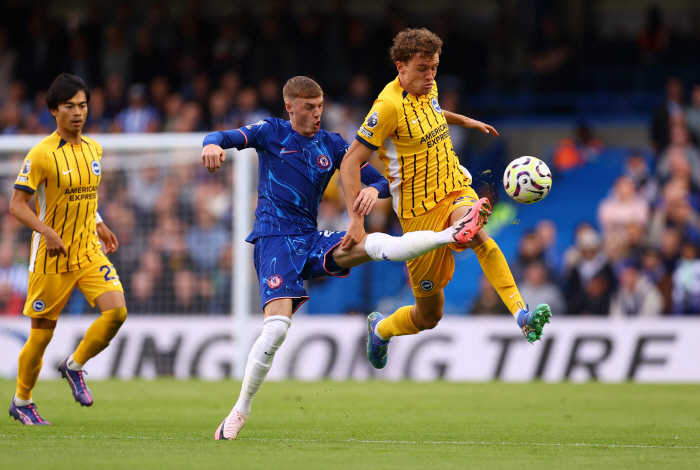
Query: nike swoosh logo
287	151
66	172
511	296
415	121
269	354
116	283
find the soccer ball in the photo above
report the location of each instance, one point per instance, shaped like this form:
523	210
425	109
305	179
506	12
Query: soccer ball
527	180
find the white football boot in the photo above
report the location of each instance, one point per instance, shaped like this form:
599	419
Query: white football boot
231	426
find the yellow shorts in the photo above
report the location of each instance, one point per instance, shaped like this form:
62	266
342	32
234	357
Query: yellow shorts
48	293
433	271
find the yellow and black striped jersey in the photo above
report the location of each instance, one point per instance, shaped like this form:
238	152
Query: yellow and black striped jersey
412	138
64	179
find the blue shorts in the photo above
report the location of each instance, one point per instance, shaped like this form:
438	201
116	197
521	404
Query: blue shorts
283	262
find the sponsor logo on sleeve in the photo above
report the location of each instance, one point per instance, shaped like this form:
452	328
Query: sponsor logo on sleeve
366	133
373	120
22	179
27	167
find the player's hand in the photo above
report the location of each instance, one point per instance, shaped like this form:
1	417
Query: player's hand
355	232
212	157
365	200
470	123
54	244
109	239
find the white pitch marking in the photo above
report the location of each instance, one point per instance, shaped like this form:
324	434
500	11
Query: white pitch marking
363	441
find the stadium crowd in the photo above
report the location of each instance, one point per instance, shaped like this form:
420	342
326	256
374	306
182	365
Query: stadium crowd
156	73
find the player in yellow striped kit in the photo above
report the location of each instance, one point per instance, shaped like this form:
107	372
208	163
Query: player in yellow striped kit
62	173
431	191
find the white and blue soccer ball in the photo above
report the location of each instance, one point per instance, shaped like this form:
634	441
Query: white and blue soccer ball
527	180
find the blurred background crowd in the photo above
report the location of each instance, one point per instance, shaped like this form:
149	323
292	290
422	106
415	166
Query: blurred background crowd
199	66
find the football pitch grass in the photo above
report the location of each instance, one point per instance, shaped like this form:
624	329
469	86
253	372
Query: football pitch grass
382	425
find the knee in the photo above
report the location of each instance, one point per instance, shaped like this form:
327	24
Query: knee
275	330
116	316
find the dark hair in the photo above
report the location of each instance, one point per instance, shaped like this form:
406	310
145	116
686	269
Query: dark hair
64	88
411	41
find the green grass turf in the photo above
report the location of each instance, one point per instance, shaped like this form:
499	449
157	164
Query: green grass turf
380	425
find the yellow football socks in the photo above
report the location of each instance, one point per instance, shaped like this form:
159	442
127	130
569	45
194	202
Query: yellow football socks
398	324
100	333
496	269
31	360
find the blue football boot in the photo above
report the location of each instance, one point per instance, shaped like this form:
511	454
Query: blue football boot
81	392
377	349
27	414
532	323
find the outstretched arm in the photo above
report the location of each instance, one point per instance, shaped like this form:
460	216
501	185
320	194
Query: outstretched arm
213	153
469	123
350	177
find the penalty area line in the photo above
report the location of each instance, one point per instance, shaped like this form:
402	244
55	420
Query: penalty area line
362	441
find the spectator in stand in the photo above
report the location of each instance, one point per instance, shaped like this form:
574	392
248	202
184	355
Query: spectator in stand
230	83
114	96
158	92
530	250
116	54
247	111
670	247
680	148
591	280
546	230
536	286
138	116
551	63
14	278
97	121
488	302
670	109
206	240
190	118
654	39
653	268
636	295
686	282
674	209
622	208
218	112
692	113
645	182
270	92
583	148
8	59
187	294
142	295
173	106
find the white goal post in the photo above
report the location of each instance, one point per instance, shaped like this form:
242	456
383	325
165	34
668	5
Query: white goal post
134	151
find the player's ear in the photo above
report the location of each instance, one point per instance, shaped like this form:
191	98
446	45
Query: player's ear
288	106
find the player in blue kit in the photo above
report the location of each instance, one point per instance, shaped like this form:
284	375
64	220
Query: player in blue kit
296	162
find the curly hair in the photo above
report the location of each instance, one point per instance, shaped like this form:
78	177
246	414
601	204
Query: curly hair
411	41
301	87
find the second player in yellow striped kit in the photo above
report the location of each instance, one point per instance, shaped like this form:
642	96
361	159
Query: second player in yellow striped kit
431	191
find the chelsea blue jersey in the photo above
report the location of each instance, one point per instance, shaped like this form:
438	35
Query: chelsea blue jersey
294	171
